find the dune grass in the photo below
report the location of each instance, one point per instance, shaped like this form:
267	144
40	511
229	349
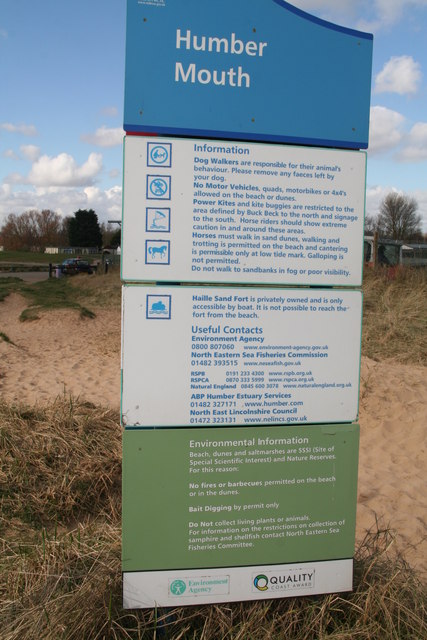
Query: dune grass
60	562
103	291
76	293
395	315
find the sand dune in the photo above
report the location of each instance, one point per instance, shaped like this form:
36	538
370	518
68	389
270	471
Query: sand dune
63	353
59	353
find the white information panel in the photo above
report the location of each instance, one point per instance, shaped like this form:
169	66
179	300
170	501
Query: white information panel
204	586
214	211
210	356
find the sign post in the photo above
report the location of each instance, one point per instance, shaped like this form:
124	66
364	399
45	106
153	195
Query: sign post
243	214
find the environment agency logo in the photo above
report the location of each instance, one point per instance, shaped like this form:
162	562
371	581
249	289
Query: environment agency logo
177	587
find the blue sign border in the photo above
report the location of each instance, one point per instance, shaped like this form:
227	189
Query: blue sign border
323	23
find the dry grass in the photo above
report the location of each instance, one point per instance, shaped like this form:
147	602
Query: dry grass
395	315
102	290
60	575
58	463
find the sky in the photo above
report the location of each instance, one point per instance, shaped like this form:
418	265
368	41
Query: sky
62	87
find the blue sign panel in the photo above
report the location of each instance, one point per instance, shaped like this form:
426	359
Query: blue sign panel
245	69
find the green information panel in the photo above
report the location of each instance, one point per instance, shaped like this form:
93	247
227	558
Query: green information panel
237	497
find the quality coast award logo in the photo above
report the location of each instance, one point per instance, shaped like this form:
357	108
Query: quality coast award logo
261	582
289	580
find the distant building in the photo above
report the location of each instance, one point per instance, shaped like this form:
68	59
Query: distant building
81	251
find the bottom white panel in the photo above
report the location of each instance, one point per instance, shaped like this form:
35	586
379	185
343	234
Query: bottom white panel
142	589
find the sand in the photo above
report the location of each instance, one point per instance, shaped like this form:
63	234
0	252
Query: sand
62	353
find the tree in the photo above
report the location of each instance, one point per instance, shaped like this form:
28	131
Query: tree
52	229
370	225
32	230
116	239
398	218
110	233
84	229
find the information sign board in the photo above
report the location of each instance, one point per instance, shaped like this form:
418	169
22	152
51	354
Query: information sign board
245	69
239	449
268	513
202	210
209	356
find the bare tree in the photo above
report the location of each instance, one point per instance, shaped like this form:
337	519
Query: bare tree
52	229
32	230
398	218
371	225
18	232
108	232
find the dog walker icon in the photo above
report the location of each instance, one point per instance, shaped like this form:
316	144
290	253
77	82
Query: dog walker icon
159	155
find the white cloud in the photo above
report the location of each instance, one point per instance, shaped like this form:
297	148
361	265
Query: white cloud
383	14
3	33
14	178
110	200
321	6
361	14
24	129
59	171
337	11
385	129
65	201
30	152
401	74
9	153
63	171
415	149
390	11
110	112
5	191
105	137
